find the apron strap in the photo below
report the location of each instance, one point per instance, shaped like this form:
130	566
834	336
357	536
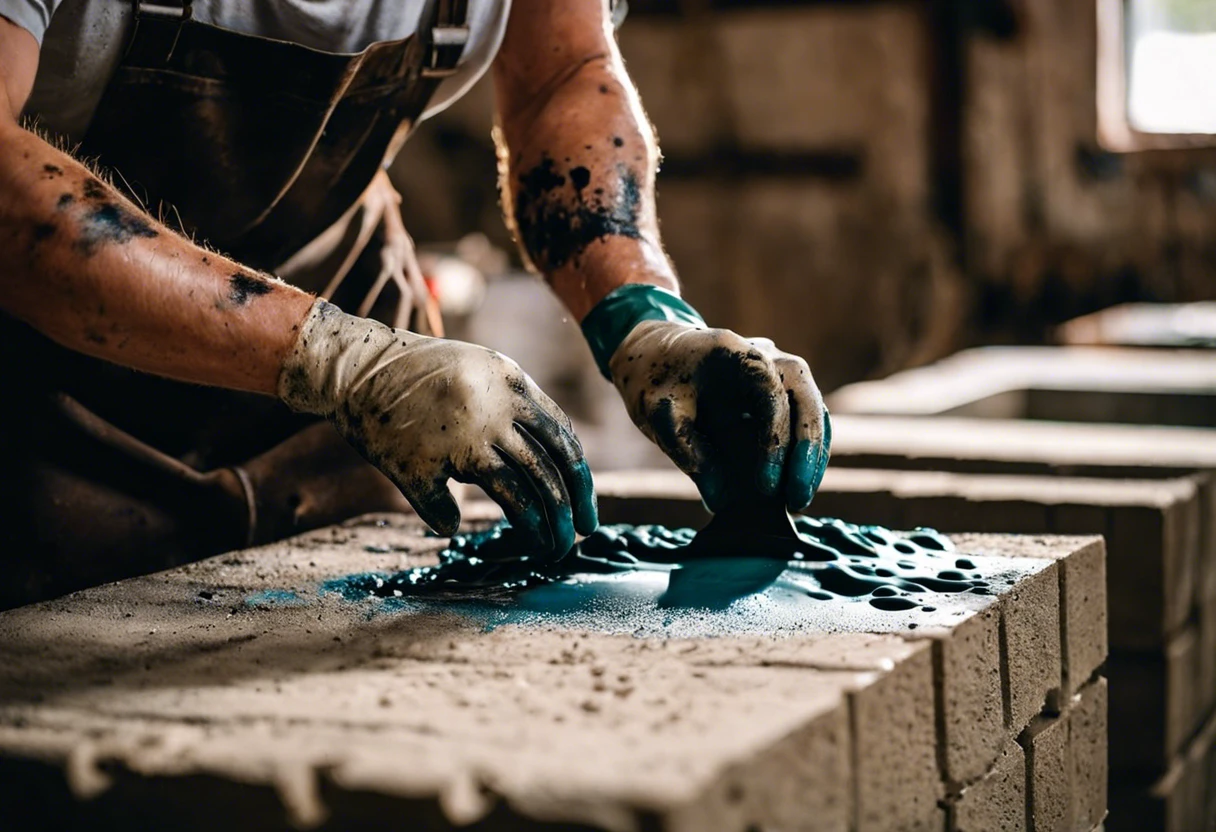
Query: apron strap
444	40
179	10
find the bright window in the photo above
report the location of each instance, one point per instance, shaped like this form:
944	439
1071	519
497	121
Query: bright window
1171	48
1156	73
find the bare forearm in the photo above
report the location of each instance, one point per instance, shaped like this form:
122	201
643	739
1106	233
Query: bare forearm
577	159
92	271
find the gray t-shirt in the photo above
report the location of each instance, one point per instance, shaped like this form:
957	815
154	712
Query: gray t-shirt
83	40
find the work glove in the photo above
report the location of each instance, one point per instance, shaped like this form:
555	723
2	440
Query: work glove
424	410
742	418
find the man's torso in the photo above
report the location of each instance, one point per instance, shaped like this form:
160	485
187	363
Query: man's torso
84	42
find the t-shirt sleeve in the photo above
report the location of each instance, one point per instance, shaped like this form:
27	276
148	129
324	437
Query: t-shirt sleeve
32	15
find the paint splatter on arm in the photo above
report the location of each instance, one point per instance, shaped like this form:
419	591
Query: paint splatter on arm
577	156
90	269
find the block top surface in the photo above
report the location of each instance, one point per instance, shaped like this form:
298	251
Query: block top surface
240	665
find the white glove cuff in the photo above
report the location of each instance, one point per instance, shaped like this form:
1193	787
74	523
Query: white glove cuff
334	354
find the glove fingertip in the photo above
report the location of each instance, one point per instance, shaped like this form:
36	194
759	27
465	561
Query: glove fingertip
584	503
438	510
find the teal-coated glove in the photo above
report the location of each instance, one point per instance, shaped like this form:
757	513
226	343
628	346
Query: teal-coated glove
740	417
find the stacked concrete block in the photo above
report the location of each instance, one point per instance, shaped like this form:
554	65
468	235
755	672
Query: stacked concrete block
230	693
1160	663
1166	325
1162	545
1072	384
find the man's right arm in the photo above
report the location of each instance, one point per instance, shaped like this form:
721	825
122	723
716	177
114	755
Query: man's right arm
88	268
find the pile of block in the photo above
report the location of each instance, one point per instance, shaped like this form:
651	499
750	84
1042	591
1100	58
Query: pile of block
233	693
1015	445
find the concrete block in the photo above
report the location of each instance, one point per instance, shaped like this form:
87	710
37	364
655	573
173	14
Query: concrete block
1083	600
1172	325
1177	535
1153	704
1030	642
232	689
895	748
997	801
1013	446
1087	727
1180	800
1053	383
969	677
1205	695
1148	593
895	499
1049	774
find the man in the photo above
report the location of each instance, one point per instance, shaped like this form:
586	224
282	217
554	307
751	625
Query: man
261	130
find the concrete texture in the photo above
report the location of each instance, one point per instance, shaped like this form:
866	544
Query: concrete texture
1048	774
1087	731
997	802
229	693
1155	705
972	704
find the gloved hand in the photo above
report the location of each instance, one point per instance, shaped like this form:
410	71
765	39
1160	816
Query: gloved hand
424	410
739	416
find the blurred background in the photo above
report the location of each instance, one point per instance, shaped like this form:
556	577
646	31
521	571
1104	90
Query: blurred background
873	184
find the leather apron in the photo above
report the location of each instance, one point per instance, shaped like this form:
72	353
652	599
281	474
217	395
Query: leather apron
257	147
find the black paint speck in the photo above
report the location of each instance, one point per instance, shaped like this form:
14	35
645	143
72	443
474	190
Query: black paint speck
618	141
243	287
64	201
580	178
52	170
92	189
603	89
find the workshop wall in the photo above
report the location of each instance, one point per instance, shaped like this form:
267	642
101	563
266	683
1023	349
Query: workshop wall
875	184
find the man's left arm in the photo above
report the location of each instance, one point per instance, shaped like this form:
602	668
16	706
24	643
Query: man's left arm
577	161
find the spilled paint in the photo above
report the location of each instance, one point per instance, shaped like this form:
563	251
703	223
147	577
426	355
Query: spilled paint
636	579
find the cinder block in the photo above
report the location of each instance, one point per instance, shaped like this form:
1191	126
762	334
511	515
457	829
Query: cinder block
997	801
895	742
1176	536
1082	600
1147	593
1030	641
339	708
1140	325
1061	384
1049	773
973	715
1153	704
1181	800
1205	697
1087	726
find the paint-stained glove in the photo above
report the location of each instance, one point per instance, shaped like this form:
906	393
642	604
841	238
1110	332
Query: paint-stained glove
424	410
736	414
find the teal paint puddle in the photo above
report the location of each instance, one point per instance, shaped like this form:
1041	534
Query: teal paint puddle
633	579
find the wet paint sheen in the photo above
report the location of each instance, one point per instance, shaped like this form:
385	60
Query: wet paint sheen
635	579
